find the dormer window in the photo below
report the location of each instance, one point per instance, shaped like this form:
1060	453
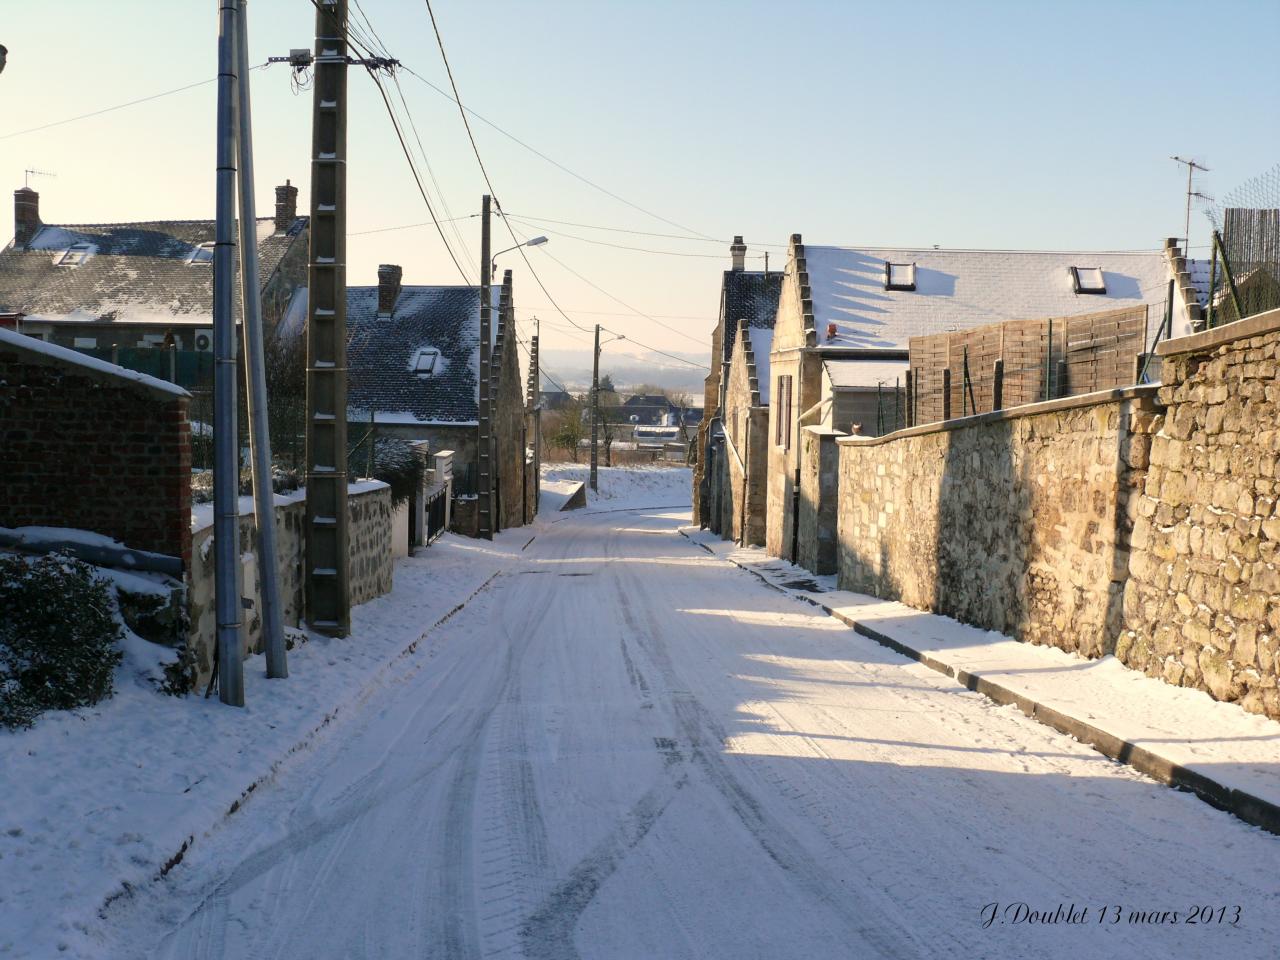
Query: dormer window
425	362
201	254
75	255
899	276
1088	280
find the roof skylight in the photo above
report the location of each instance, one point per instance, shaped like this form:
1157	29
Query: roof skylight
425	362
1088	280
75	255
899	276
201	254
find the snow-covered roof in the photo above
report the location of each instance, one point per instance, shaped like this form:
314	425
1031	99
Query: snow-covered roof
52	351
864	374
959	289
151	272
382	355
747	295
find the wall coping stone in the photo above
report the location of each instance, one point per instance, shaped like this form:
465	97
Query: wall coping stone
1097	398
1254	326
821	431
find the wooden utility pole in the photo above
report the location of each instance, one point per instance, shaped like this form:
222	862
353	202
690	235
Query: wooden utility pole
328	582
595	410
484	444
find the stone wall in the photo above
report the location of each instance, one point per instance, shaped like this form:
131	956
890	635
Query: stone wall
1016	521
819	489
370	552
1202	607
369	541
89	445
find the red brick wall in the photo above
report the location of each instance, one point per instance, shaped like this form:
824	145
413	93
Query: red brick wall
79	448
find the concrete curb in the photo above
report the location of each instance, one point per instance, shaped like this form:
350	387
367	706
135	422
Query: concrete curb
1252	810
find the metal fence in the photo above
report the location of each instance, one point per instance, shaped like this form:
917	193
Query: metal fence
1245	269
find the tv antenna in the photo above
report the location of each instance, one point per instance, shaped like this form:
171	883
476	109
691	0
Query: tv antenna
28	174
1192	167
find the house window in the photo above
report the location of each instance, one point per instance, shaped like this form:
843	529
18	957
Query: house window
201	254
1088	280
424	363
782	426
75	255
899	276
85	343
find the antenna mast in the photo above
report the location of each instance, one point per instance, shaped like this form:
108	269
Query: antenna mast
1192	167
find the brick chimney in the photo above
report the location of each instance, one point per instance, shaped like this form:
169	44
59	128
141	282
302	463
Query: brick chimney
739	252
389	275
26	215
286	205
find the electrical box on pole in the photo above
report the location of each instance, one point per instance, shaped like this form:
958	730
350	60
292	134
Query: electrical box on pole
328	582
484	445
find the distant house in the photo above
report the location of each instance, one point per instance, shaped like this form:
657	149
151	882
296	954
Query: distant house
745	295
413	356
846	316
143	284
555	399
656	410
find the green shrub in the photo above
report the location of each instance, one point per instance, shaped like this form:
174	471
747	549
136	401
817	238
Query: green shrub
58	637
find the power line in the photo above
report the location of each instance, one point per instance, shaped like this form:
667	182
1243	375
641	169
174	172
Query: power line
417	179
118	106
618	246
407	226
539	153
622	302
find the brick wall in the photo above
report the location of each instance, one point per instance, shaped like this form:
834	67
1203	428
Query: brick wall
87	445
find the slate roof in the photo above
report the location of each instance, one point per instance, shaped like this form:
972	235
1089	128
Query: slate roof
380	353
958	289
747	295
651	410
136	272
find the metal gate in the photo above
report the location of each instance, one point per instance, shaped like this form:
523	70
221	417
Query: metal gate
436	509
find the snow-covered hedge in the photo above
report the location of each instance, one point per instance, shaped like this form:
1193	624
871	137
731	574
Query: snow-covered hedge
58	637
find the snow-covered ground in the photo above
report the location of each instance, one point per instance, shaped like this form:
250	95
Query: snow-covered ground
99	800
622	487
626	748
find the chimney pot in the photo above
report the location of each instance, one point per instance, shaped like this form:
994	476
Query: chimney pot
286	205
389	275
738	250
26	216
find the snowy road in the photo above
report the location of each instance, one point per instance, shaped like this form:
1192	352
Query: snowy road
625	748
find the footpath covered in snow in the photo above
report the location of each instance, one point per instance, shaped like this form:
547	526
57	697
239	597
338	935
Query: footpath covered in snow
1177	735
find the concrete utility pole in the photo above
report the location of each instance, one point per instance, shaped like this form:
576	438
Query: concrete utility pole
484	446
595	410
226	452
256	373
328	582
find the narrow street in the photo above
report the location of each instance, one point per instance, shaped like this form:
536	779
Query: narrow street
625	748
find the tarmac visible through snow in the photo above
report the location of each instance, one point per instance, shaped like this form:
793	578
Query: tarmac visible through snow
626	748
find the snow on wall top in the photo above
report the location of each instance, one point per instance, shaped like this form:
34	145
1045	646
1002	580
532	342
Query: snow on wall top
135	272
864	374
33	346
959	289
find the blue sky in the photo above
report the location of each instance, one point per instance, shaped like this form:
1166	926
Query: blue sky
1010	125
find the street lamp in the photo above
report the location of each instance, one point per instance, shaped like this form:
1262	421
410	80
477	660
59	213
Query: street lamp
493	263
595	404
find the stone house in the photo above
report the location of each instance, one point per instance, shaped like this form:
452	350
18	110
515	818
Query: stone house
413	355
145	284
738	454
749	295
846	316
